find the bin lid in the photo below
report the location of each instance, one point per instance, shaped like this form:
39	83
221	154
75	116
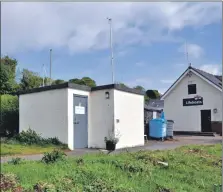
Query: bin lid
169	120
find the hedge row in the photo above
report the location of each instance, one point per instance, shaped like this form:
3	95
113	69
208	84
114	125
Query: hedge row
9	124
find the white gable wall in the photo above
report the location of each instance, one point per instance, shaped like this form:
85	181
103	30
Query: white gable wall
45	112
187	118
129	111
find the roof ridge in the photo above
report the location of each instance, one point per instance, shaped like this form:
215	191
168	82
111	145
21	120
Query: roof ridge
205	72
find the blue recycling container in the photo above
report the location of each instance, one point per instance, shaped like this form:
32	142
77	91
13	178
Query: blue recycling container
157	127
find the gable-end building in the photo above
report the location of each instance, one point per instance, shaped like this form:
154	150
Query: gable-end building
194	101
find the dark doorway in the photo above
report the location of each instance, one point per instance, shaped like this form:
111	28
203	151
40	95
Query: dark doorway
206	121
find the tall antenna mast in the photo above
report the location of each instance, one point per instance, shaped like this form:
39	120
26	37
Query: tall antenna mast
50	65
187	57
111	48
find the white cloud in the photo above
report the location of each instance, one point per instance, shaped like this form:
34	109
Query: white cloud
167	81
140	64
162	90
81	27
213	69
193	50
145	82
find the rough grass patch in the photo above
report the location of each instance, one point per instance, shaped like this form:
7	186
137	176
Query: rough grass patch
80	161
9	182
44	187
122	173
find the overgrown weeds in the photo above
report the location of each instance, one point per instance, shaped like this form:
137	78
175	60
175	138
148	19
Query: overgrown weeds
52	157
15	161
29	142
44	187
8	182
30	137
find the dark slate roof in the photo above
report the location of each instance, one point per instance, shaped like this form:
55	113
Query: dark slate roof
216	79
219	77
53	87
81	87
118	87
154	104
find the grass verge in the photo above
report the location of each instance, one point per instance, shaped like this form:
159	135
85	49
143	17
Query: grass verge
21	149
190	169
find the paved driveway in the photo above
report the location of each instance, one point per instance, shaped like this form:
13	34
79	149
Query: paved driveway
150	145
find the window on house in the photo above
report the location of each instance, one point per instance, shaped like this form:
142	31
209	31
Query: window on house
192	89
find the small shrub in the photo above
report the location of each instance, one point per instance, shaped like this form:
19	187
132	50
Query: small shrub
8	182
52	157
29	137
15	161
54	141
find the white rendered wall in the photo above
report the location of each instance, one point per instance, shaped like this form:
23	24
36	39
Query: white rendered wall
101	117
70	112
188	118
45	112
129	110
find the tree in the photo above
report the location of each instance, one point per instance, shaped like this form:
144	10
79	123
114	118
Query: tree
48	81
77	81
140	88
123	85
7	75
30	80
153	94
58	81
84	81
89	82
9	123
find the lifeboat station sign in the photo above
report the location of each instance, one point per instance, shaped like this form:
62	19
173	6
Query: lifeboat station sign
193	101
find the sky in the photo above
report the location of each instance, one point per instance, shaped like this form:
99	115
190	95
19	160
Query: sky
149	39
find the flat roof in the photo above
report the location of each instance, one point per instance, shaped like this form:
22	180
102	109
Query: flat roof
81	87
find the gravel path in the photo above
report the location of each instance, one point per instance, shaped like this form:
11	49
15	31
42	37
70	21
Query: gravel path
150	145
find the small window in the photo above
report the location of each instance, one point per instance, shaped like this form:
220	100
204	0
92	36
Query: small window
192	89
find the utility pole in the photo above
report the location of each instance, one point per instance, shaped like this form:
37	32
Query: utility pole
43	76
50	66
111	49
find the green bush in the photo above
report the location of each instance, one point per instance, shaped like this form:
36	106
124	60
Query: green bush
52	157
9	124
54	141
15	161
28	137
